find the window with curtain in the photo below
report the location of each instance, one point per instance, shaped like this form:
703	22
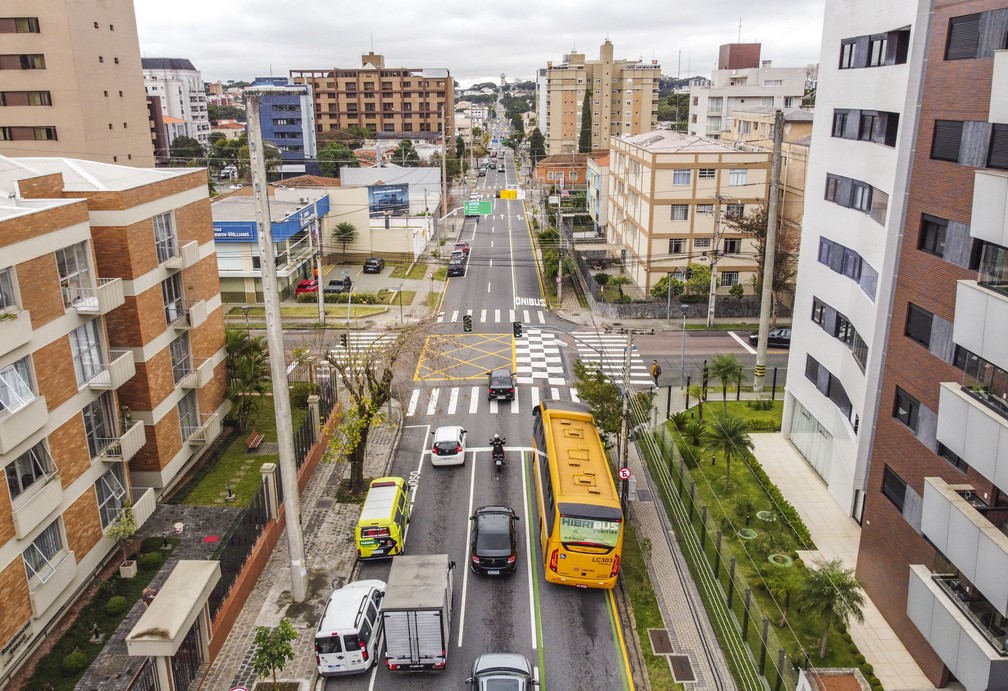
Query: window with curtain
44	555
85	346
15	386
738	176
111	491
7	299
171	293
74	274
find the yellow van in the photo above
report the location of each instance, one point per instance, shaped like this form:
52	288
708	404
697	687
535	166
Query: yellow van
381	529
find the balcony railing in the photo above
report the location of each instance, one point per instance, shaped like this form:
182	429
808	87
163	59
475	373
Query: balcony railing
191	315
979	612
122	449
187	255
199	377
17	426
101	299
206	432
33	506
999	94
44	594
15	330
144	504
119	371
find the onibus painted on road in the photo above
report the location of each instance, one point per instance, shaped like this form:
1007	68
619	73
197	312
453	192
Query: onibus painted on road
580	520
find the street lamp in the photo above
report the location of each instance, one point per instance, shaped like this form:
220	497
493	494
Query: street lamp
245	310
400	303
682	358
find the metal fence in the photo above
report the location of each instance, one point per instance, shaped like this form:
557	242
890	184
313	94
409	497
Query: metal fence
235	549
327	398
304	438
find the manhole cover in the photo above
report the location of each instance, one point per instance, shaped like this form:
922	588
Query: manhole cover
766	516
780	560
661	644
324	503
682	669
747	533
643	495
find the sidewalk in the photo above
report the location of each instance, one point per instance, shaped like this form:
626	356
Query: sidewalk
331	561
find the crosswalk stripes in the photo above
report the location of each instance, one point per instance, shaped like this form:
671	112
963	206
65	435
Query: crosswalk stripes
442	401
537	358
485	316
358	342
608	351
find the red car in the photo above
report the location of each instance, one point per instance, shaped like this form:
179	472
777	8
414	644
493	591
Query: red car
461	247
309	285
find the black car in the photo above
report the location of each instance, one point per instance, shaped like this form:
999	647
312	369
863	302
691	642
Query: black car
456	268
339	285
500	385
494	548
777	338
374	265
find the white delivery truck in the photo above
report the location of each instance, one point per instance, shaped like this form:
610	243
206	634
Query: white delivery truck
417	612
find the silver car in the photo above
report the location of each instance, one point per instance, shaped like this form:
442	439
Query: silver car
501	671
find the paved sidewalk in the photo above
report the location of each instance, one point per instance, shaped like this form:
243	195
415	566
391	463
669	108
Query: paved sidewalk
331	556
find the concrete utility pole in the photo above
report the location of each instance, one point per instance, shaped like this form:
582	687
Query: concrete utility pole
625	424
315	239
274	339
444	188
713	262
770	251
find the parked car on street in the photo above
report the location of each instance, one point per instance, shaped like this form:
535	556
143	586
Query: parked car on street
456	268
374	265
494	547
461	247
776	338
307	286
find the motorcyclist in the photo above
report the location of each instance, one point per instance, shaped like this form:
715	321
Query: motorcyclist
498	446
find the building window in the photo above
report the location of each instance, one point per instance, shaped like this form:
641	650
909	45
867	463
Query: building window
958	463
932	234
918	324
839	122
702	243
861	196
8	301
188	415
171	293
946	140
19	25
99	424
859	349
33	466
876	50
85	346
734	211
74	274
680	212
729	278
844	331
997	157
905	408
43	555
832	189
681	176
35	61
868	125
111	492
894	488
963	37
847	54
851	266
677	246
738	176
811	369
165	239
181	357
705	209
15	386
732	245
818	311
706	174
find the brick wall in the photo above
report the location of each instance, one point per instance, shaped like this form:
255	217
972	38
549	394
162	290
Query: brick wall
68	446
54	371
42	187
202	280
6	518
195	222
164	439
38	283
138	320
125	251
208	338
41	222
82	523
14	602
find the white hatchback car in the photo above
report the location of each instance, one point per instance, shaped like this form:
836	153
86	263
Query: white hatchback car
449	446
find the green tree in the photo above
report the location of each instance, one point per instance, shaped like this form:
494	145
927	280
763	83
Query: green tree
345	233
460	147
728	370
833	596
784	582
537	146
123	529
661	288
217	113
186	150
335	156
405	154
620	280
730	435
273	649
698	282
248	371
605	400
785	268
699	393
585	137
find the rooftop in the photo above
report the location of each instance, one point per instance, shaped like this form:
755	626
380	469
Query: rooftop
84	176
665	141
235	208
790	114
167	64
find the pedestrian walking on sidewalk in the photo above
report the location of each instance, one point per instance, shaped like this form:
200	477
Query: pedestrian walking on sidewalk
655	371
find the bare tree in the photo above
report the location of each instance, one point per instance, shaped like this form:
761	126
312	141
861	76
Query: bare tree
754	225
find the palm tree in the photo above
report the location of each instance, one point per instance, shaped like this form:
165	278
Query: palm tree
248	369
728	370
345	233
699	392
783	582
833	595
728	434
619	281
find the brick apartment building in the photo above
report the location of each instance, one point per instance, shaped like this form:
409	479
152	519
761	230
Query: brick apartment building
111	362
395	100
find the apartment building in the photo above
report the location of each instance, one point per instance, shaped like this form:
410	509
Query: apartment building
858	165
179	85
934	542
597	197
669	195
70	81
112	367
287	121
624	98
732	88
397	100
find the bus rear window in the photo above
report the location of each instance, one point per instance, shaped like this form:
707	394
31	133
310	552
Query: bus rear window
325	645
589	532
374	532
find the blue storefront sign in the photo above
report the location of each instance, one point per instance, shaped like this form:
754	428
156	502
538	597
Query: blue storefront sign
235	231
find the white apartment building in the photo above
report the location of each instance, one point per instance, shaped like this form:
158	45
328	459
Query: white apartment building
711	106
860	155
180	86
597	176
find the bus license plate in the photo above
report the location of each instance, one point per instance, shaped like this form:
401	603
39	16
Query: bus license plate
493	572
378	551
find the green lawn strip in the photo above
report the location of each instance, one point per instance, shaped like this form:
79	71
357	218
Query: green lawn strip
391	298
49	672
721	326
415	271
440	273
757	420
310	310
647	614
432	300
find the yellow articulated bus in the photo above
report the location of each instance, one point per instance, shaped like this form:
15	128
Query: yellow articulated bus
580	519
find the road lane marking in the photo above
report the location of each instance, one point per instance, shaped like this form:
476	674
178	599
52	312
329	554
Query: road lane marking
741	342
528	556
511	315
465	569
542	317
535	395
494	406
432	403
574	396
474	400
415	486
555	392
488	286
483	315
453	400
497	315
514	406
454	316
414	399
618	635
527	320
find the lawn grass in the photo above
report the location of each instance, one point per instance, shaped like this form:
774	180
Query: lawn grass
636	582
432	300
309	311
209	486
391	297
440	273
415	271
761	420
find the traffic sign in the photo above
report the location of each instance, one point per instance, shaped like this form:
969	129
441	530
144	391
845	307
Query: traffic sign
624	473
430	274
477	208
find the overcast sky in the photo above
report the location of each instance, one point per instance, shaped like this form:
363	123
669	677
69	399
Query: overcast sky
475	40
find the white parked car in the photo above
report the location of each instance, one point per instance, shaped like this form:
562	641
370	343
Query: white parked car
449	446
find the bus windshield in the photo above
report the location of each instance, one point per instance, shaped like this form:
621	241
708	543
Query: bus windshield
589	532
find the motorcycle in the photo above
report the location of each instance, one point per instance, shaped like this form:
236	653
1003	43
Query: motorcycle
497	452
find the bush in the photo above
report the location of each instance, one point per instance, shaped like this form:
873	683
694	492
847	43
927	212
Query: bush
783	505
867	669
763	425
360	297
690	454
859	658
736	291
679	419
115	605
75	663
601	278
299	393
761	403
743	507
151	561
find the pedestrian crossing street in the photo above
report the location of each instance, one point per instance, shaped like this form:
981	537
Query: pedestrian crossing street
496	316
457	400
358	343
608	351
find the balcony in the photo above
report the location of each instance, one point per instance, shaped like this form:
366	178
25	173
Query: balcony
144	504
973	431
33	506
207	432
99	300
192	315
15	330
965	639
20	424
122	449
989	219
119	371
44	595
199	377
188	255
981	324
956	521
999	94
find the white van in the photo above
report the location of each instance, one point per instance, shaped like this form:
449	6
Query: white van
348	633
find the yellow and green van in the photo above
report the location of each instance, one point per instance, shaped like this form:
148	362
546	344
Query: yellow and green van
381	529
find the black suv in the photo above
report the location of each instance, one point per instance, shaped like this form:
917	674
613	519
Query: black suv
494	548
374	265
500	385
456	268
339	285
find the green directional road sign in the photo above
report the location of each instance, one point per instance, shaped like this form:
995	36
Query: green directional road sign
478	208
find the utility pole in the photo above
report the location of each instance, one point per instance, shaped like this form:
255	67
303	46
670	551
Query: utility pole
770	251
713	262
444	188
560	268
625	424
316	240
274	340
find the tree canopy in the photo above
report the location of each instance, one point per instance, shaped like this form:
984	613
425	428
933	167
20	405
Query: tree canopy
537	146
585	136
754	225
185	151
405	154
334	157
